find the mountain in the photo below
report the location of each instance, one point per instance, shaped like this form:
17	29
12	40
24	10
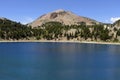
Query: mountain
2	18
4	21
11	30
64	17
117	23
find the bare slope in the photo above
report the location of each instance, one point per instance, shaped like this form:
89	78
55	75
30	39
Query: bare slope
62	16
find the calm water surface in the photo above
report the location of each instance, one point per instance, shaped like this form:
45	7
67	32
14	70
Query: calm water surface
59	61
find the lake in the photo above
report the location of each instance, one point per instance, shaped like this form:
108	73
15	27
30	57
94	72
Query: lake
59	61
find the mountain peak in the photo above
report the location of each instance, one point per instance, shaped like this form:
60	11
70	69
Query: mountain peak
59	10
64	17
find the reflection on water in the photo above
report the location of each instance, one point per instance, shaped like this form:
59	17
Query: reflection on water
59	61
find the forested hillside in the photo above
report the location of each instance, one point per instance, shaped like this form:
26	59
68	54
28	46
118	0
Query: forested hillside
10	30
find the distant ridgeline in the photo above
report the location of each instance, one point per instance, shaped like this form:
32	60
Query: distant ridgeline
10	30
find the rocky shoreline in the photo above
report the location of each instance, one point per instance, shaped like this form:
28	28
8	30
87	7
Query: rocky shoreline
63	41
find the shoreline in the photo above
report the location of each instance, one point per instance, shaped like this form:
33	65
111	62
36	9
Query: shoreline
62	41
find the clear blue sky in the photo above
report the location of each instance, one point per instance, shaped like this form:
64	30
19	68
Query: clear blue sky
27	10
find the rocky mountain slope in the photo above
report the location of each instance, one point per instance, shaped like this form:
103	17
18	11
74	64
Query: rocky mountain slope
116	24
64	17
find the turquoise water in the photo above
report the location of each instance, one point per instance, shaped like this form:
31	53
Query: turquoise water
59	61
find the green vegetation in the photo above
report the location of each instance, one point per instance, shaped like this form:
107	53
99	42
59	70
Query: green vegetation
13	30
56	31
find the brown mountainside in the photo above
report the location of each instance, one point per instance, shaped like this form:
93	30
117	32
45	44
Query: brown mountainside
62	16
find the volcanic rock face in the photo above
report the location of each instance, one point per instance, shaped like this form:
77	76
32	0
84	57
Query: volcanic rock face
64	17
